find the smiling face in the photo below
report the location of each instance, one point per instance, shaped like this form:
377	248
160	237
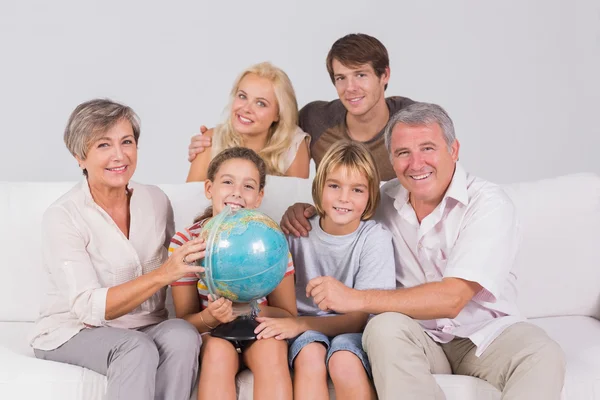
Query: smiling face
344	200
422	161
254	108
236	184
112	158
359	88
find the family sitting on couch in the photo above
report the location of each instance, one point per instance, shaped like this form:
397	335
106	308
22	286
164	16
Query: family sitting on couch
385	285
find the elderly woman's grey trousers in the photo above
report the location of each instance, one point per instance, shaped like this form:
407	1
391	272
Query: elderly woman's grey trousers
155	362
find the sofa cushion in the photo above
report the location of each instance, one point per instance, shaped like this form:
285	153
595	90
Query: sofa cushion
579	337
455	387
22	376
558	268
21	208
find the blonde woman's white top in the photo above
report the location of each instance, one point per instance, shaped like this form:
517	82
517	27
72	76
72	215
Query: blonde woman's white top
290	155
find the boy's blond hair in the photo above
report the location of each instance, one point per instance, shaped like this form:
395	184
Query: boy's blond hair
356	157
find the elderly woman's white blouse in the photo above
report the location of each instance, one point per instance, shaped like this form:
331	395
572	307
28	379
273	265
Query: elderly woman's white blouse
84	253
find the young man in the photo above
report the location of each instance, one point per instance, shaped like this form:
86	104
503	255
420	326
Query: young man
359	67
455	238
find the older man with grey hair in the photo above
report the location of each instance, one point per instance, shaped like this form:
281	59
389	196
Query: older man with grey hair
454	311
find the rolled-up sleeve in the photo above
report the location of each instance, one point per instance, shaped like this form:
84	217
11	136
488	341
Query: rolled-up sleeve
486	247
69	266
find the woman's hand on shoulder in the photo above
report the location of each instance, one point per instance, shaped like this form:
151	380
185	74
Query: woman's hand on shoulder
182	261
279	328
199	143
199	165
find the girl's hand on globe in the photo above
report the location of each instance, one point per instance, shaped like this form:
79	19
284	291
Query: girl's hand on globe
279	328
182	261
221	309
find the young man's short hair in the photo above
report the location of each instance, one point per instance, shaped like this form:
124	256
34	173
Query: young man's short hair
358	49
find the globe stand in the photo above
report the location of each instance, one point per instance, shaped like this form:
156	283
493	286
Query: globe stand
241	328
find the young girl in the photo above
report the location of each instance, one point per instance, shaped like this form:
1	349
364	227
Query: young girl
236	177
345	245
262	115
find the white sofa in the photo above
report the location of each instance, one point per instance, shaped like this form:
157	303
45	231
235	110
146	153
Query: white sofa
558	269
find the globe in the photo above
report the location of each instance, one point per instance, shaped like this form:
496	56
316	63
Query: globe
246	255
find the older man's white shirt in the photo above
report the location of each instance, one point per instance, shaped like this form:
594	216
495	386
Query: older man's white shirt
473	234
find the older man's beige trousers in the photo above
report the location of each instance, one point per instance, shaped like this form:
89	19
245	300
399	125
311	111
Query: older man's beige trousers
523	362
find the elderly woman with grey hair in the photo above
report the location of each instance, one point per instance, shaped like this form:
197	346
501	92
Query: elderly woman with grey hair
105	246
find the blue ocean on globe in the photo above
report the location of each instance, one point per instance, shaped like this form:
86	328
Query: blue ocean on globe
246	255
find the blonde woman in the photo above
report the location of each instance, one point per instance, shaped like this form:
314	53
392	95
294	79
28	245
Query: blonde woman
262	115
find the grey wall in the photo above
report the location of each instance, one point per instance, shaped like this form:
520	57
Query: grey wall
519	78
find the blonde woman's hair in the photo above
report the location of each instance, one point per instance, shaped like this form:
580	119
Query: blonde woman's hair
281	132
356	157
